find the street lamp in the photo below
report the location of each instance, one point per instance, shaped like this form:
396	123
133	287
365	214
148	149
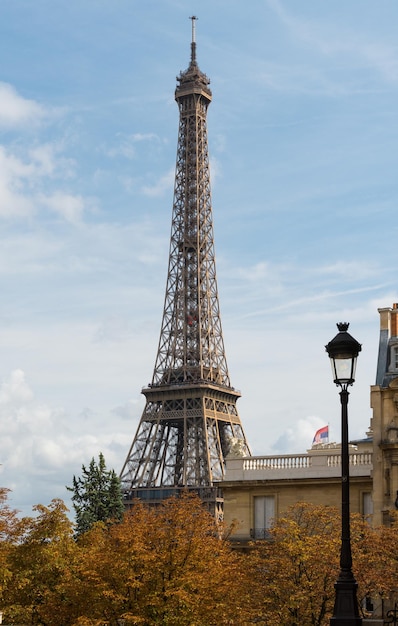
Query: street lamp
343	351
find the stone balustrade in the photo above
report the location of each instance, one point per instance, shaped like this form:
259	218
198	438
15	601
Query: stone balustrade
356	458
290	461
317	463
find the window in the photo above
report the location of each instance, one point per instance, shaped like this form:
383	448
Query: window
367	505
393	358
264	513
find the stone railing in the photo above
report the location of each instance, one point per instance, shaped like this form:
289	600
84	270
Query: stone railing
316	463
290	461
356	458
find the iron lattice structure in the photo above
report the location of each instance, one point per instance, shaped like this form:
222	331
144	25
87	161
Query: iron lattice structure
190	421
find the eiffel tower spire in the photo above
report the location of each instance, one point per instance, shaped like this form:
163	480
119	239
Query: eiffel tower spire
190	421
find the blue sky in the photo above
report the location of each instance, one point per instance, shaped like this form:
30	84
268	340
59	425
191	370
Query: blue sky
303	130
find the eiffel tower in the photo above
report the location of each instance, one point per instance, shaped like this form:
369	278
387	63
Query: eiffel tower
190	421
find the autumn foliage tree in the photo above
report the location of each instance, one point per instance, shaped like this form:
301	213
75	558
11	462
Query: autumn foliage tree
172	565
167	565
40	563
294	573
375	556
163	565
11	530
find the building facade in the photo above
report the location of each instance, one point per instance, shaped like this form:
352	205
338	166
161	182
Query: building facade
384	423
258	490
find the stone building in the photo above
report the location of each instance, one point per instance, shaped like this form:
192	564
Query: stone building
258	490
384	423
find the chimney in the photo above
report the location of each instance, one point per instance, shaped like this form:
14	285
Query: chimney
394	320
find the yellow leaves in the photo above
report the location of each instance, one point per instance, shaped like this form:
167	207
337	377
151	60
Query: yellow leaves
299	566
169	565
38	562
164	565
374	558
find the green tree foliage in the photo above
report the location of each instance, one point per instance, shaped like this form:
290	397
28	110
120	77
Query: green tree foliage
97	495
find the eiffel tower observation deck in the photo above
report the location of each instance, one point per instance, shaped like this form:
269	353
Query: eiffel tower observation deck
190	422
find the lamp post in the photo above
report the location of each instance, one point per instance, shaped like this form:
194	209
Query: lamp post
343	351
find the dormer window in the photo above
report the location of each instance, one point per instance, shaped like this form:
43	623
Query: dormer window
393	357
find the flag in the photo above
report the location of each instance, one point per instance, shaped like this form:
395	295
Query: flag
321	435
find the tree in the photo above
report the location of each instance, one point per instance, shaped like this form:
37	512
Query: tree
375	558
167	565
172	565
11	530
163	565
97	496
295	571
41	565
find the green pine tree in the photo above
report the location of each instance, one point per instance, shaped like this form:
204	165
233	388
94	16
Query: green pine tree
97	495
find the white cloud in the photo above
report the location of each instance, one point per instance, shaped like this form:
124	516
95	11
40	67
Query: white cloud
17	111
215	170
124	149
68	206
15	391
48	161
127	411
165	183
22	176
259	271
125	146
30	253
298	438
332	40
305	80
348	269
42	447
145	137
13	175
114	328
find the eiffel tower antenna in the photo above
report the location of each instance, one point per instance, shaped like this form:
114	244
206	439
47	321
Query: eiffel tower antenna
193	42
190	422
